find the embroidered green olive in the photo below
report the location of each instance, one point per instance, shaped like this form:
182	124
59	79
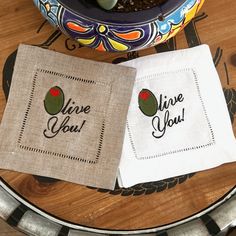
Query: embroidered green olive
147	102
54	100
107	4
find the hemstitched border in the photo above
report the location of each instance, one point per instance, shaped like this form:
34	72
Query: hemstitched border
38	150
28	107
72	77
31	149
204	110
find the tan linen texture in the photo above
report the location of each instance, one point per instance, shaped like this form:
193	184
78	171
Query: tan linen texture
82	141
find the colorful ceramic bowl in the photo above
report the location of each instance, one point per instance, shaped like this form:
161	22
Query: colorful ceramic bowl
116	32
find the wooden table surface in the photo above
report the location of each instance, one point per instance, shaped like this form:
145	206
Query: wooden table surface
20	22
6	230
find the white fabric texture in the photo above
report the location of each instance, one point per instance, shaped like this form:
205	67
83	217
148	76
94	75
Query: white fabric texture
178	121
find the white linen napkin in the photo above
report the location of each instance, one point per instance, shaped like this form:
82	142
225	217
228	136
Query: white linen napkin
178	121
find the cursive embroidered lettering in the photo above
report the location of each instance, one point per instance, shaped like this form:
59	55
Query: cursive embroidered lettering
160	127
165	103
70	108
54	127
150	106
56	124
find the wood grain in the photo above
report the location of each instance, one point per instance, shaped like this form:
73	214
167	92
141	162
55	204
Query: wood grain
19	22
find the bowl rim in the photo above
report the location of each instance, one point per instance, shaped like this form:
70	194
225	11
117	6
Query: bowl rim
93	13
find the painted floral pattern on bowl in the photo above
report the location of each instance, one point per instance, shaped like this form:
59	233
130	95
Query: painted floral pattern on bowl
109	36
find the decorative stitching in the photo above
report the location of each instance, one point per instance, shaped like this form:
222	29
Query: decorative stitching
101	141
73	77
56	154
203	105
151	76
28	108
131	140
37	150
204	110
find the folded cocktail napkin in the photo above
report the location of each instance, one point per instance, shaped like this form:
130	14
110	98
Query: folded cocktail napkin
65	117
178	120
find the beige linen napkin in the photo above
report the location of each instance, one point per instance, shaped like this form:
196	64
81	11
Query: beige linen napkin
65	117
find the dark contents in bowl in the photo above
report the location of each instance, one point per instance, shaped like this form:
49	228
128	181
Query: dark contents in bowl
136	5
